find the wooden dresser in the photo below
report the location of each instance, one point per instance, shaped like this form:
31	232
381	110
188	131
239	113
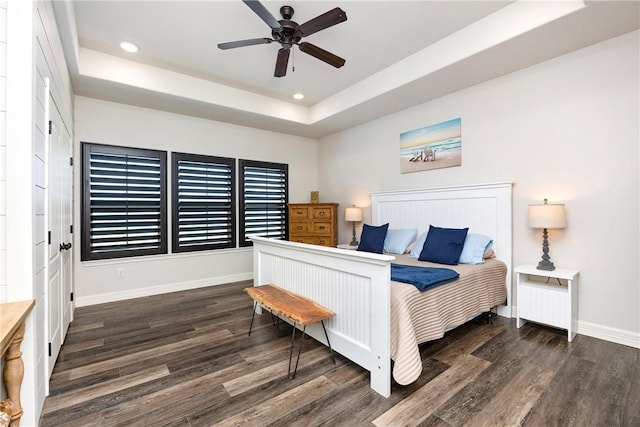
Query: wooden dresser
314	223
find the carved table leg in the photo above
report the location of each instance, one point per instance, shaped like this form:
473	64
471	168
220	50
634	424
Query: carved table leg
13	374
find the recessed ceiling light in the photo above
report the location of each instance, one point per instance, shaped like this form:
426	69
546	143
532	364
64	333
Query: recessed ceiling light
129	47
298	96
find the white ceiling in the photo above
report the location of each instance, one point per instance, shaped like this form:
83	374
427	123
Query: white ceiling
398	54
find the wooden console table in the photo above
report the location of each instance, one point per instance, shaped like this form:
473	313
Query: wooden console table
12	316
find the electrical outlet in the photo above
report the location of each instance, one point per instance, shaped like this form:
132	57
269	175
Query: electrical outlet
120	273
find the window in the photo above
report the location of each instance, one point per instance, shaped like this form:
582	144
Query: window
123	202
263	204
203	203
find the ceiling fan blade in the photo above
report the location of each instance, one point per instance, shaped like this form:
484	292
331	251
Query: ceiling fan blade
242	43
326	20
281	62
264	14
321	54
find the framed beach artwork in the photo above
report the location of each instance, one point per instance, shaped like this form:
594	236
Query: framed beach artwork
431	147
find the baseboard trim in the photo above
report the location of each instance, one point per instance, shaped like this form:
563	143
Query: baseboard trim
161	289
606	333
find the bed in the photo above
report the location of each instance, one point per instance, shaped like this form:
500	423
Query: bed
374	322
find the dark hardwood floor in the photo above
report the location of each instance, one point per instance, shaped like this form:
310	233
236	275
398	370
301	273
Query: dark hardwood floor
184	359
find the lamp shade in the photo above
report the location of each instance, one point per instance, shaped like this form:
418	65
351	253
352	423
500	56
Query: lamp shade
353	214
547	216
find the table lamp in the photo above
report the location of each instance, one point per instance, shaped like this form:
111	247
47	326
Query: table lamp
546	216
353	215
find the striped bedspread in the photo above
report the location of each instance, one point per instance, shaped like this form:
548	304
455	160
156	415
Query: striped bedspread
418	317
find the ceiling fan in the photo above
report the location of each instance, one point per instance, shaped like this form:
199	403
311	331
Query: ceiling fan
289	33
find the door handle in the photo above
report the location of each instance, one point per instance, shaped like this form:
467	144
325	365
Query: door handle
65	246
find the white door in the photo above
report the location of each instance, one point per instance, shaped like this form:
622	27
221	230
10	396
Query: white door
66	223
59	188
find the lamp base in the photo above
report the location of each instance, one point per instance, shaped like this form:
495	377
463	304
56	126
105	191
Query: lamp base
354	242
546	265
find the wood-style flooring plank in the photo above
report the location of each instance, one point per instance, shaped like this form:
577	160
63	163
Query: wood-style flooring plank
562	403
422	403
321	411
274	370
84	394
132	357
263	413
472	341
510	405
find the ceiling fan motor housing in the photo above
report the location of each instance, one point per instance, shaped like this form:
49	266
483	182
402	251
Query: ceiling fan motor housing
288	35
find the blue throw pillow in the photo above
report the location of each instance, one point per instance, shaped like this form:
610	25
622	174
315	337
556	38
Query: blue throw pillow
475	246
398	240
443	245
372	238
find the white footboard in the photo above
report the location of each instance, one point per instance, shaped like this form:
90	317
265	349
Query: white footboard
355	285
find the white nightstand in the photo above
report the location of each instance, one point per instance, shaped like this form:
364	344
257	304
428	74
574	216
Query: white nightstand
542	299
347	246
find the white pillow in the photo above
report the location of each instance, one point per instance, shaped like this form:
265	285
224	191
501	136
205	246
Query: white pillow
397	241
475	246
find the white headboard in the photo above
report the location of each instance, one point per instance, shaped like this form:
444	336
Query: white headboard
484	208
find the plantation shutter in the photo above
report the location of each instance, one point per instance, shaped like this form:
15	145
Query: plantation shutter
203	203
264	200
124	206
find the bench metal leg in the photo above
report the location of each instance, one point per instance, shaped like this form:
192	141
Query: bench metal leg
255	305
291	374
328	343
275	320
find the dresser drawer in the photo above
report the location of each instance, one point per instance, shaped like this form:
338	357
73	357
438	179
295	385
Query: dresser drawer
298	227
322	228
298	214
312	240
321	213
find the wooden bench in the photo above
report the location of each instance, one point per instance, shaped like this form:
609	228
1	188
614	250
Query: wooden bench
298	309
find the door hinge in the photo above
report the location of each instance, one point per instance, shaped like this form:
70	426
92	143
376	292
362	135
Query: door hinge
49	238
50	127
49	349
71	229
70	161
71	296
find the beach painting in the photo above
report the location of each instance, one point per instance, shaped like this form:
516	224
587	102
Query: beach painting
431	147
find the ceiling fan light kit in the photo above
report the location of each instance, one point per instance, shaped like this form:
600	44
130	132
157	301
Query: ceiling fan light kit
289	33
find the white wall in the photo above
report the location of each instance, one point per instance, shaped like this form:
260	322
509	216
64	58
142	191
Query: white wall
567	130
117	124
3	151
